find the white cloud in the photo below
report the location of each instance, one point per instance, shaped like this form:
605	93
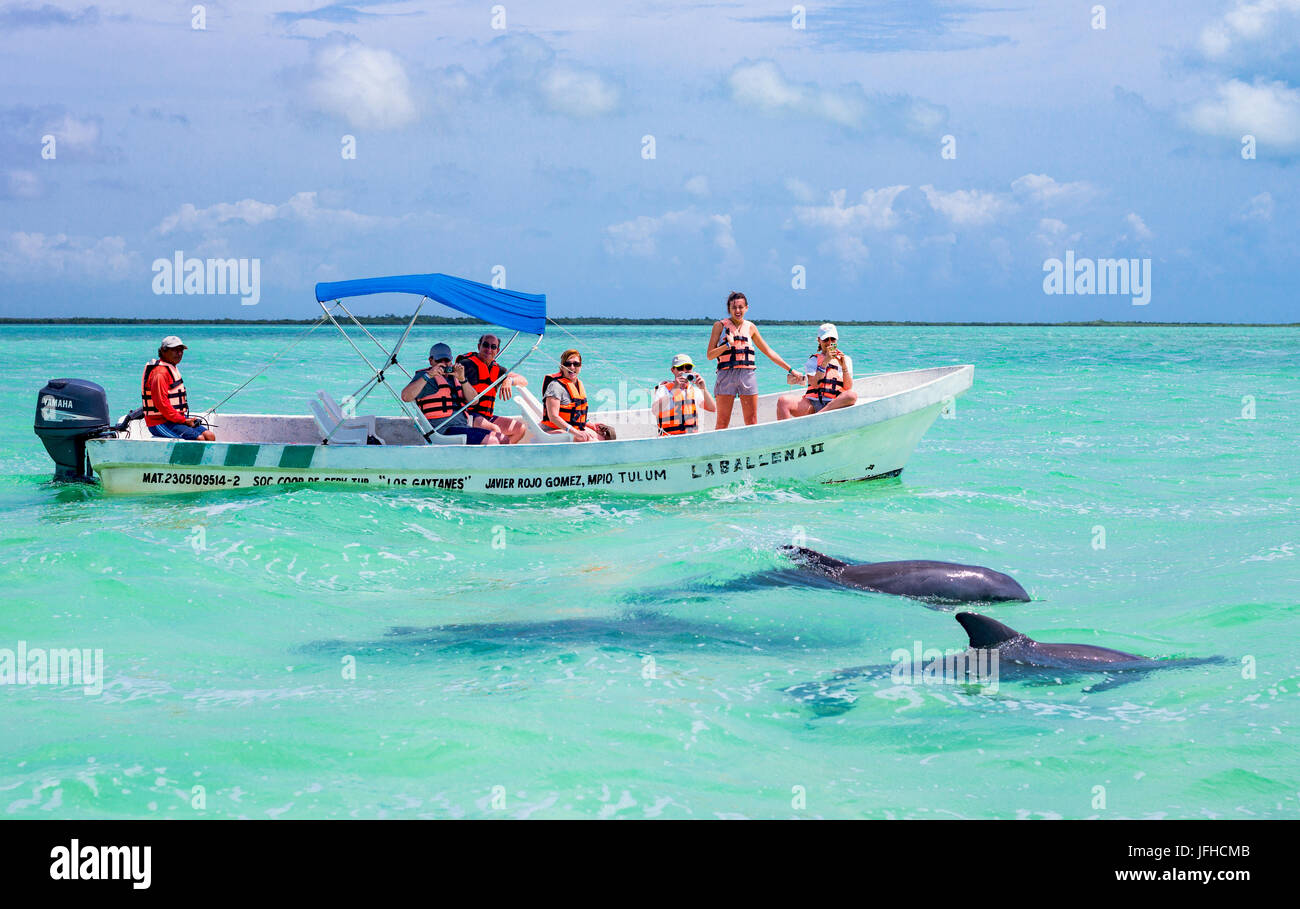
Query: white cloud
968	207
641	235
1139	227
1270	111
35	252
366	86
1259	208
578	93
22	184
74	134
874	211
301	207
799	189
697	186
1250	21
1043	190
762	85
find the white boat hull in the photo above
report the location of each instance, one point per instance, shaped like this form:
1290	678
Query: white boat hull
873	438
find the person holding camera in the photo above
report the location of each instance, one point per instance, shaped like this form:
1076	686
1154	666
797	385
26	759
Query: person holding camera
829	376
677	402
440	391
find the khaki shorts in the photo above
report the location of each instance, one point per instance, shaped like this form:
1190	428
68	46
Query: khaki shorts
736	382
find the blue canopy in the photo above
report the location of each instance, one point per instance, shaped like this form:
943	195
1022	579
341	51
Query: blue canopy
507	308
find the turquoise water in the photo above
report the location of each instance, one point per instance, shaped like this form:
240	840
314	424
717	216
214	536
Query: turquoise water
610	657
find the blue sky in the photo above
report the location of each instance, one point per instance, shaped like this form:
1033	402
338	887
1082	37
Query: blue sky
775	147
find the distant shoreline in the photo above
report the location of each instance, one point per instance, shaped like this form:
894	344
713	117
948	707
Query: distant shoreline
604	320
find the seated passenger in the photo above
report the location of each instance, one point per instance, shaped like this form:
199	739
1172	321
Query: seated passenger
439	392
166	407
481	370
829	376
676	402
565	401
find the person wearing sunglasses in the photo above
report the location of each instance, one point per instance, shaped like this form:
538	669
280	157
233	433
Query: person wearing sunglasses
732	344
829	375
677	402
565	401
440	391
481	370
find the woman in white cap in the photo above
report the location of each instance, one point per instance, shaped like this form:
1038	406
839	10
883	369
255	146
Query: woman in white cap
677	402
829	376
732	344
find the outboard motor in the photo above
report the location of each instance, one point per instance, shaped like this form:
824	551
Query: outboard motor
68	412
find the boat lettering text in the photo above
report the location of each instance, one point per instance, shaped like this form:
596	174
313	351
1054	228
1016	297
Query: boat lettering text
189	479
766	459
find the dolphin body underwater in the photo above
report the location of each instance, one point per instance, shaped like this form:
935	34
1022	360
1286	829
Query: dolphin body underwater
934	582
1019	658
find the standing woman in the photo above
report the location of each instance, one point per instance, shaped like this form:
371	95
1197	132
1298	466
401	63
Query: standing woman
732	344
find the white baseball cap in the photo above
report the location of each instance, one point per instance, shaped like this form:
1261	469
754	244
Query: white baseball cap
171	341
827	330
682	360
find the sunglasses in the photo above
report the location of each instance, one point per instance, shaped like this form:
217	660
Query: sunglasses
488	346
443	360
686	368
573	364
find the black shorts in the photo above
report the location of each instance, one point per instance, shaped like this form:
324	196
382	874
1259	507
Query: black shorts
474	435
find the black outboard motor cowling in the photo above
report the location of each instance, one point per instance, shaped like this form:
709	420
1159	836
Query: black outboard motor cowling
68	412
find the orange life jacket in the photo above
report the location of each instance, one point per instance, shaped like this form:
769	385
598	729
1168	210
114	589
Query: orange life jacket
829	381
575	412
175	392
443	401
740	355
678	417
485	405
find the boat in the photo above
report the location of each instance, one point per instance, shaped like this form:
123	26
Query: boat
334	447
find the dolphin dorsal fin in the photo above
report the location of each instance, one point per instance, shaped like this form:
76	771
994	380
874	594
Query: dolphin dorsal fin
985	632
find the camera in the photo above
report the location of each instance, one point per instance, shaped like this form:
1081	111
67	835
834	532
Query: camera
692	377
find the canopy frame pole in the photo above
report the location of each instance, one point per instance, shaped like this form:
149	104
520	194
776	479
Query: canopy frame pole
378	373
392	357
505	373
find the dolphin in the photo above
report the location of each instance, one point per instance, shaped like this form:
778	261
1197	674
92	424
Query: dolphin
935	582
1023	651
1019	658
639	631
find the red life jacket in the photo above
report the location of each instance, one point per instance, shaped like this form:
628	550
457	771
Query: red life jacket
829	381
486	375
175	392
740	355
575	412
679	417
443	401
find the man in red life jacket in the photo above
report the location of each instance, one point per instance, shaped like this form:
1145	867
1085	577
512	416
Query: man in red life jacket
166	406
439	392
677	402
481	370
829	376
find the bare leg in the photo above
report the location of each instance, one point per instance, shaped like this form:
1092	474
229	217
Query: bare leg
801	407
749	407
725	403
785	405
